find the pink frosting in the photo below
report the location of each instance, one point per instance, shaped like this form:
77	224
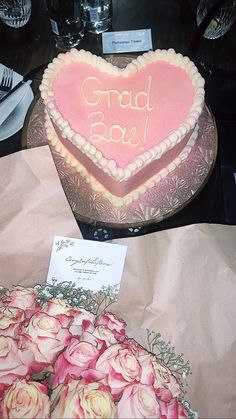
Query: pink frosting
123	116
121	188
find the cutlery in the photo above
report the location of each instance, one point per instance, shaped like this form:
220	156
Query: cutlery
27	78
17	86
6	81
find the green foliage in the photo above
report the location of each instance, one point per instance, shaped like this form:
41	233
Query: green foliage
164	351
95	302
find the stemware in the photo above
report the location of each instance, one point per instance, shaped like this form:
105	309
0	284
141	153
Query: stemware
15	13
222	21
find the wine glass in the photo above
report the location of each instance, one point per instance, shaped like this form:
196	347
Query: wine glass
222	21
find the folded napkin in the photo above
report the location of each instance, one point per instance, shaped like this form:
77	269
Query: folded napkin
12	101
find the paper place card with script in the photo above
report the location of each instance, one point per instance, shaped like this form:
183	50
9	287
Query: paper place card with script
127	41
88	264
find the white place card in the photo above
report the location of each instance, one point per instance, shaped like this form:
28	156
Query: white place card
89	264
127	41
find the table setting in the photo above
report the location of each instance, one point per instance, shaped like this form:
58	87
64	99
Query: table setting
13	108
141	291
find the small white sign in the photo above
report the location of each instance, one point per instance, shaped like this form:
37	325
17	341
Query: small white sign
89	264
127	41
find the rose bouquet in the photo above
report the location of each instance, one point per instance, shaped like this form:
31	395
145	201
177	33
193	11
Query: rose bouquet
59	361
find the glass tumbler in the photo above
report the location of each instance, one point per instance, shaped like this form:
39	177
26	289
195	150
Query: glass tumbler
97	15
223	19
15	13
66	23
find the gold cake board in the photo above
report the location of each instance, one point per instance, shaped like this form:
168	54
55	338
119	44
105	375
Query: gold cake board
168	197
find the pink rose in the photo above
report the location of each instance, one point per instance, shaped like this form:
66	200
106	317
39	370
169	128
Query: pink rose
145	359
14	362
164	378
76	399
88	337
25	400
163	394
24	298
76	358
59	309
158	375
10	319
138	401
82	321
3	388
104	334
45	337
135	347
100	338
173	410
76	320
120	366
116	325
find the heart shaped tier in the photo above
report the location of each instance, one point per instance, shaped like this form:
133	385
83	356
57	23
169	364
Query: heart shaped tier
123	128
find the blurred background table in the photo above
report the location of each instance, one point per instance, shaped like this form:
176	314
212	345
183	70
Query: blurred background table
173	25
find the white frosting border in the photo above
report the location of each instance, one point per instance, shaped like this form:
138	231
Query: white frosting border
96	186
107	165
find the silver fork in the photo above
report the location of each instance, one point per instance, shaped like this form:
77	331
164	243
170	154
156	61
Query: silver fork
6	82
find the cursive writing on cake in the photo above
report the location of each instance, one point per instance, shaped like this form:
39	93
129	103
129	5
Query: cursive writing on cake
93	95
100	131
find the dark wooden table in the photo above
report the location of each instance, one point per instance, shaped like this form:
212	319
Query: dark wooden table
173	25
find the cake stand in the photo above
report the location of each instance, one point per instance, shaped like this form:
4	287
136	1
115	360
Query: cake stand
168	197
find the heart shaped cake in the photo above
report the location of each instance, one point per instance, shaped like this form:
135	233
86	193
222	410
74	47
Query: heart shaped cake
124	129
